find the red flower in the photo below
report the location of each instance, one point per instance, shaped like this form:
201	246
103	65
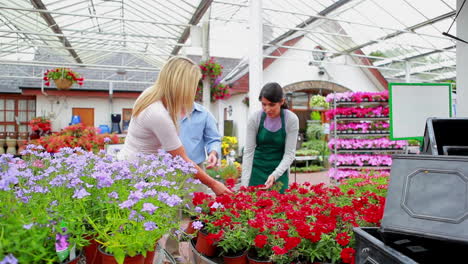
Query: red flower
343	238
279	251
291	242
260	241
347	255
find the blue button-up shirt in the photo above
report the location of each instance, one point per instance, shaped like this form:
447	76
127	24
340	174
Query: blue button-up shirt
199	134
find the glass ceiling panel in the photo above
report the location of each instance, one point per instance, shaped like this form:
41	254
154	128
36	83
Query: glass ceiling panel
148	30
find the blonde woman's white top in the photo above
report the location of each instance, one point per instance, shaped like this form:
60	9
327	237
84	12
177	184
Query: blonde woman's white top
151	130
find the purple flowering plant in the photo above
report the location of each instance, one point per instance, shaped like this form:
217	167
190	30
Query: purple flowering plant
124	205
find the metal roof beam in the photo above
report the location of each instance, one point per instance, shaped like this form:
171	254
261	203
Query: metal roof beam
197	15
310	20
92	16
397	33
66	64
56	29
411	56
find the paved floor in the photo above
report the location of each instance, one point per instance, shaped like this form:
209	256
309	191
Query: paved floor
314	178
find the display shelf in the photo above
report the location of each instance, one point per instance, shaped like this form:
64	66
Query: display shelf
340	119
361	118
363	167
363	135
351	103
389	151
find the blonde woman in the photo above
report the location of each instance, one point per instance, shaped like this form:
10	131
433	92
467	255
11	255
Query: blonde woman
156	114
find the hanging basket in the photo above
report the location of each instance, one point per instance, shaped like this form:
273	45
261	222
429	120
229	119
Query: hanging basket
63	84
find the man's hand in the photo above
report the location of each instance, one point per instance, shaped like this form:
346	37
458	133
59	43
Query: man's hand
269	182
212	159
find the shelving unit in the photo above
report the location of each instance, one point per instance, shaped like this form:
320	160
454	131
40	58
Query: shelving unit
335	134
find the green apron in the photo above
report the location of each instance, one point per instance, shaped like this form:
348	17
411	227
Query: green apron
268	154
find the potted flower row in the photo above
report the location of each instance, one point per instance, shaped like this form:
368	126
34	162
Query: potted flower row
366	144
356	112
77	135
361	160
74	198
339	174
358	97
376	127
309	223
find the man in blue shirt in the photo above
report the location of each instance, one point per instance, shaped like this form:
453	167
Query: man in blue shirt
199	135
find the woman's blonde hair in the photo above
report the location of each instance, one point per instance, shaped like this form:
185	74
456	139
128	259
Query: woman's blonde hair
176	87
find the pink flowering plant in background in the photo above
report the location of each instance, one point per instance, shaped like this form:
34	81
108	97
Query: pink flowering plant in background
361	160
358	97
339	174
356	143
125	206
358	112
362	127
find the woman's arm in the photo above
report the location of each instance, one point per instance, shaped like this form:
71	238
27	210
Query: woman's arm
217	187
249	149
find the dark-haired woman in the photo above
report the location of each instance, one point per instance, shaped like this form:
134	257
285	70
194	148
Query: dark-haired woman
271	141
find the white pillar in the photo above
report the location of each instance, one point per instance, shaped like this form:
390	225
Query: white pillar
408	72
206	56
462	61
255	54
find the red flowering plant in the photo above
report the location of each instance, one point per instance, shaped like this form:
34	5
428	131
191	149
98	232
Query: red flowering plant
62	73
211	69
307	223
77	135
218	91
40	125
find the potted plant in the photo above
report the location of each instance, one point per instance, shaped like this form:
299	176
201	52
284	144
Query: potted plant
318	102
234	244
77	135
63	78
125	206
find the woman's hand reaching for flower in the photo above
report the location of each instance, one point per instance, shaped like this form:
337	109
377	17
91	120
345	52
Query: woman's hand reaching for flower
220	189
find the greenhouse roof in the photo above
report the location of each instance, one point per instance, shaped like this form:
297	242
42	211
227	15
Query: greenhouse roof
400	37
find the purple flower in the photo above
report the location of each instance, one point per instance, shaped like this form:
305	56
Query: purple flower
113	195
149	207
216	205
136	196
28	226
198	209
61	242
150	226
107	140
197	225
127	204
9	259
80	193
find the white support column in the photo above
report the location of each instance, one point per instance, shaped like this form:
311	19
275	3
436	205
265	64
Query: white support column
462	61
408	72
255	54
205	56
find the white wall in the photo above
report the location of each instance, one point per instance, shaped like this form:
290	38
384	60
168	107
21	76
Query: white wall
462	62
288	71
60	108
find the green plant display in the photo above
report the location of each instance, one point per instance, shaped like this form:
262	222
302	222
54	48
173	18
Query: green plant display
318	101
315	115
314	131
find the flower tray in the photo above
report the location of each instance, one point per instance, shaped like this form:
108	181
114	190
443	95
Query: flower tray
372	247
